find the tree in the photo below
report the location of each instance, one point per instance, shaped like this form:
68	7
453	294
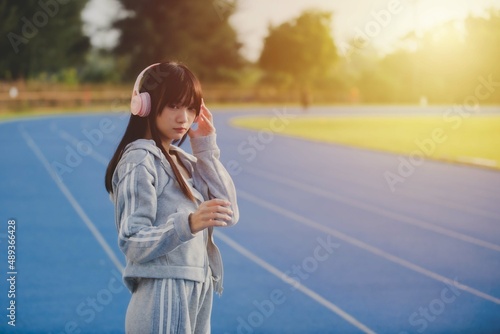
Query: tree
196	32
482	49
302	49
40	36
453	62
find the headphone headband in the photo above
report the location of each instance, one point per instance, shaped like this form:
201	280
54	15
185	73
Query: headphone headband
140	104
135	91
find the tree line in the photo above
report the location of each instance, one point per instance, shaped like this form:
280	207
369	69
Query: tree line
44	40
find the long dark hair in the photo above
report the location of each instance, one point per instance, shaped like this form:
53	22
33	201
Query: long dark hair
167	83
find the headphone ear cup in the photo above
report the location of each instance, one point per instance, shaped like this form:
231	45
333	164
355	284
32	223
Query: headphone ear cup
146	104
141	105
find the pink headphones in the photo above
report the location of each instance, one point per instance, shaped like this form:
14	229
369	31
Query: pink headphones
140	104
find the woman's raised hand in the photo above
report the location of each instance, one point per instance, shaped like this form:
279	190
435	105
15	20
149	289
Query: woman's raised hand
214	212
205	123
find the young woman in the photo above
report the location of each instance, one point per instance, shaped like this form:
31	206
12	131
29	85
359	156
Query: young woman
167	203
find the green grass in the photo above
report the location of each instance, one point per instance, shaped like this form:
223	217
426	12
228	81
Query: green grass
474	140
45	111
27	113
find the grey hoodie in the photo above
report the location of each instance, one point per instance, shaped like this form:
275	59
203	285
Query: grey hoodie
151	212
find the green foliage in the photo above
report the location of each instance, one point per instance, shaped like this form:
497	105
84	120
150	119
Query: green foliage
302	49
43	40
196	32
101	66
446	66
40	36
69	76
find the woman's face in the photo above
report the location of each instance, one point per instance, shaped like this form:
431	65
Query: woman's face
174	121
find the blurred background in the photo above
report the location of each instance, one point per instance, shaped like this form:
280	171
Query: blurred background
86	53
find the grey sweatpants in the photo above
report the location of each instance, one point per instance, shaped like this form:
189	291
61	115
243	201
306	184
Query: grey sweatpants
170	305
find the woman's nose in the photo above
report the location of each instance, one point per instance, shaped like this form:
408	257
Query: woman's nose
182	116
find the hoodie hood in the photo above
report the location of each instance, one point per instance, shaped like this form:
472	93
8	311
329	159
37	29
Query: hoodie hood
149	145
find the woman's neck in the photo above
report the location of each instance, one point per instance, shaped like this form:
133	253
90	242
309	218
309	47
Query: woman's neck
164	142
166	145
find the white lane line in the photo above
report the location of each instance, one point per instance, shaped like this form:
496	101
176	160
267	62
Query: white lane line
288	280
374	209
365	246
75	142
369	248
452	205
478	161
98	236
438	199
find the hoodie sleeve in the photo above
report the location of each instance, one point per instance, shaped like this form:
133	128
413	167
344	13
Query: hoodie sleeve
219	182
136	204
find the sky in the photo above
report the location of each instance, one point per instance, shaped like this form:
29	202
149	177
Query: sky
382	22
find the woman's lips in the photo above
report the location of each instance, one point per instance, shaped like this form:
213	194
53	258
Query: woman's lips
180	130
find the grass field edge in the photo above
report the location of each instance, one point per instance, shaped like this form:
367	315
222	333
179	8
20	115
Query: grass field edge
460	161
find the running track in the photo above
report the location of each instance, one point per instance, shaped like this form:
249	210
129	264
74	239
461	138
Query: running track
323	244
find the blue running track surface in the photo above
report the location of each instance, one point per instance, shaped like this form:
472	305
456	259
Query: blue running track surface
324	244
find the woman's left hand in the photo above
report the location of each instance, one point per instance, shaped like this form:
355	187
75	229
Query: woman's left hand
205	123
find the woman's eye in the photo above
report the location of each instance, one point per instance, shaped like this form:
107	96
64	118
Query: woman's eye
192	109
